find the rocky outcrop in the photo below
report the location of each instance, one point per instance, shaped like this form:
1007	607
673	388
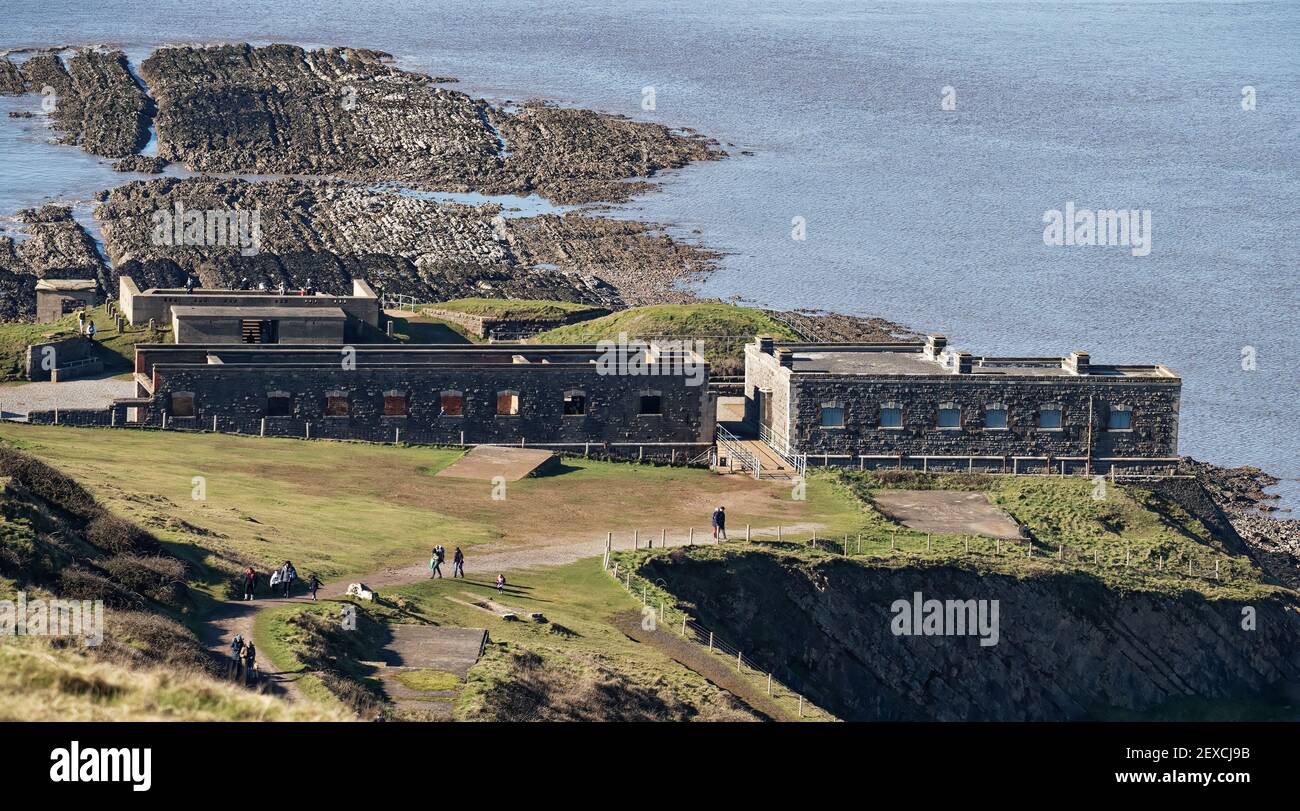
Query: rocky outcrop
56	247
92	99
330	232
347	113
141	164
1068	647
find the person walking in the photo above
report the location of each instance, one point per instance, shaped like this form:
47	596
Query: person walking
236	650
720	524
314	584
290	575
435	564
90	329
250	583
250	663
275	581
458	563
81	321
501	583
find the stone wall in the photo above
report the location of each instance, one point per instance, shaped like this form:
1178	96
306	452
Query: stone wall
237	395
64	352
764	374
1154	402
483	326
141	307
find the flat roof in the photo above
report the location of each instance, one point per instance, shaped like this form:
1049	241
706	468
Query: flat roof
66	284
319	313
866	360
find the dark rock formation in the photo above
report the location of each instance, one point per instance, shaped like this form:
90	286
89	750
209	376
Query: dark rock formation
345	112
94	100
330	232
56	247
142	164
1069	647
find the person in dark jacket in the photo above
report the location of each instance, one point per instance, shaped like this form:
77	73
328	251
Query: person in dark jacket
458	563
720	524
250	583
314	584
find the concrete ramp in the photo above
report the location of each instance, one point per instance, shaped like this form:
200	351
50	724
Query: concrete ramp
486	462
950	512
454	650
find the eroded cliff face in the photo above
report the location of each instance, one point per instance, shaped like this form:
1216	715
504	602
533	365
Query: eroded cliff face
1068	647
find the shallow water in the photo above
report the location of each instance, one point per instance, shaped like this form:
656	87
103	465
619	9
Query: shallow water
926	216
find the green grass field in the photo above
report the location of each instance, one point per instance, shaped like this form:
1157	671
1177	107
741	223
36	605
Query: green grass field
532	309
349	508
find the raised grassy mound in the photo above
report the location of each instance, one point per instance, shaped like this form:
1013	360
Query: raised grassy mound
722	329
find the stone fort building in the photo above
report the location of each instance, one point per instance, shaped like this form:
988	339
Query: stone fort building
872	405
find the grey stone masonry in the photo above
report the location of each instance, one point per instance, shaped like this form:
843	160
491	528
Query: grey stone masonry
926	399
439	394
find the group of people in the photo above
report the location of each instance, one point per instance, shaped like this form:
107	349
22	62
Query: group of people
440	555
246	284
85	324
282	580
243	659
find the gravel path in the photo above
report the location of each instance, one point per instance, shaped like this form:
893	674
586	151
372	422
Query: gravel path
17	401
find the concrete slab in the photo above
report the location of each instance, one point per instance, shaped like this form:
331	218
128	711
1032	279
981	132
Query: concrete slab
947	511
454	650
486	462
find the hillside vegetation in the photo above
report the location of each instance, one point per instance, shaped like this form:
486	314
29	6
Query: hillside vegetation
724	329
115	349
520	309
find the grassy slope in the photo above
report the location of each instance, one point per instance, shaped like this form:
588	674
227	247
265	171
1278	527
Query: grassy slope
537	309
41	683
346	508
707	322
117	350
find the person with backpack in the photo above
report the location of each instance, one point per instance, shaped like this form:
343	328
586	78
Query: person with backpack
290	575
458	563
435	564
501	583
314	584
720	524
250	583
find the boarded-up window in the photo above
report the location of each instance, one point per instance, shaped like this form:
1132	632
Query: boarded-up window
394	404
279	404
1049	418
575	403
182	404
652	402
832	416
949	416
995	418
336	404
451	404
1120	418
891	415
507	403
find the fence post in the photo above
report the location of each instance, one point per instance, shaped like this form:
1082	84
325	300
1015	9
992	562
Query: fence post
683	625
663	539
1216	568
636	539
778	533
397	436
927	543
264	426
710	642
309	430
214	423
691	540
739	664
769	684
747	533
846	544
801	706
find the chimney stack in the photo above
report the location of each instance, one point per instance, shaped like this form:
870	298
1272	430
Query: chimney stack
766	344
961	363
1077	362
785	357
934	346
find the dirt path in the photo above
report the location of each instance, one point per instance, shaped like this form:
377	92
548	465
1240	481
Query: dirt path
236	616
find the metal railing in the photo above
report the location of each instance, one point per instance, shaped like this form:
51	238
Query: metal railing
737	454
398	301
799	461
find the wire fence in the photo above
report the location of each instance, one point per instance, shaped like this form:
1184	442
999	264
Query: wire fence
669	617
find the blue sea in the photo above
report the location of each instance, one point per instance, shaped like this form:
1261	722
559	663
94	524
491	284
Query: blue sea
929	216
